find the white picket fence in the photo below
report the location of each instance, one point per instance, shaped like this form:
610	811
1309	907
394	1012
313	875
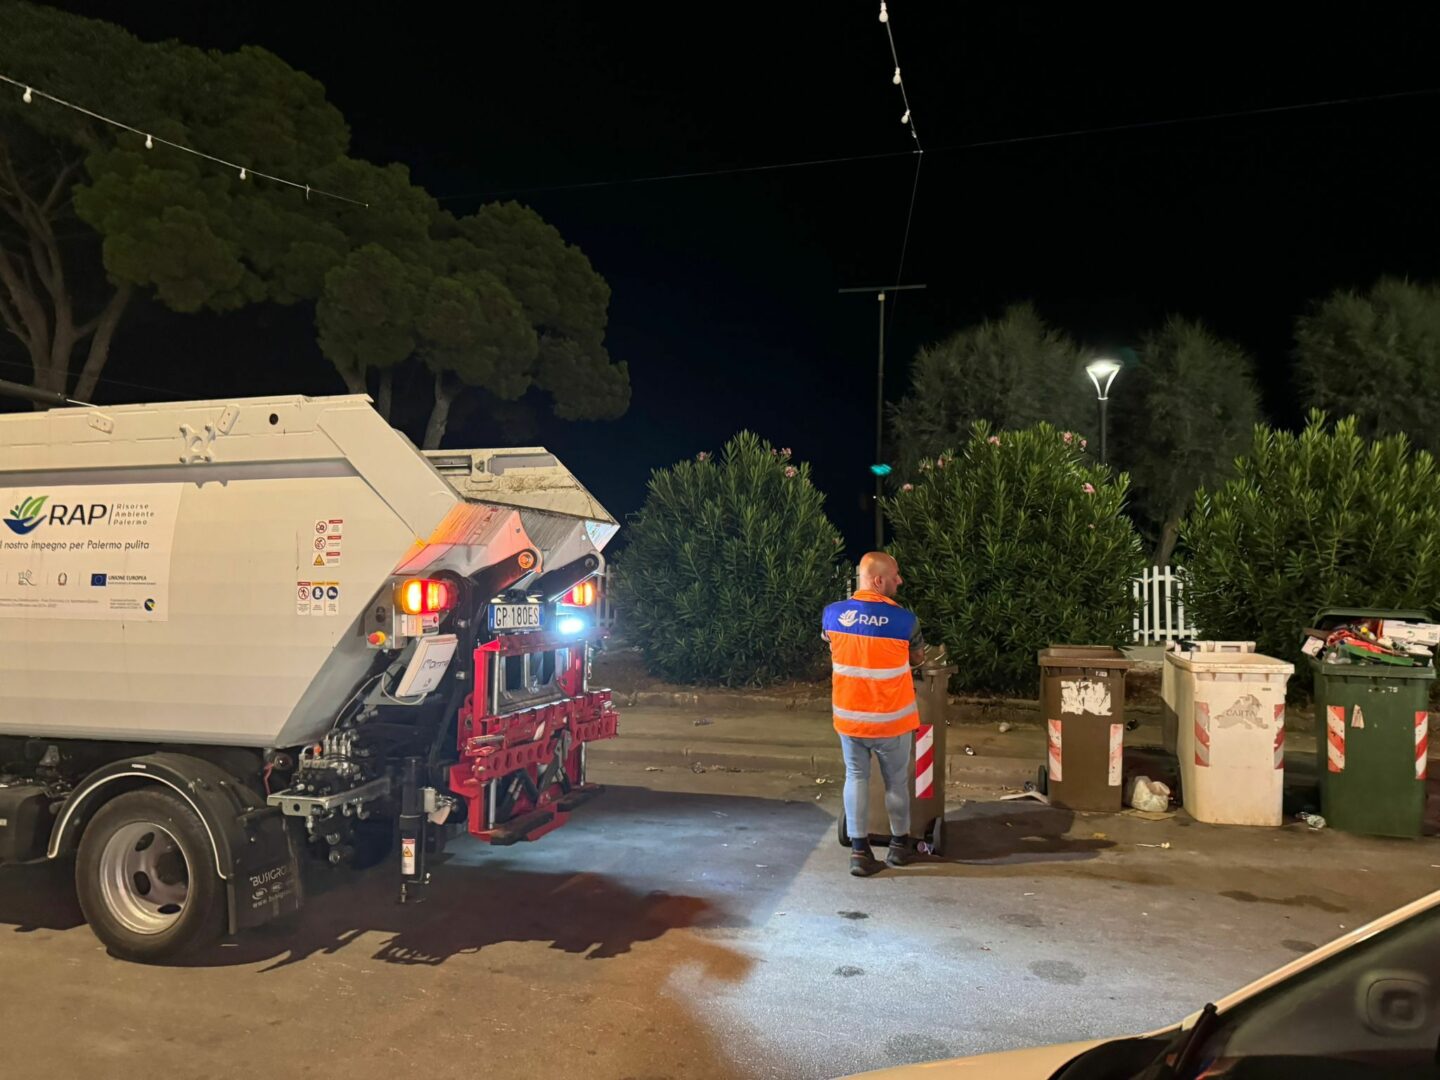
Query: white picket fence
604	607
1160	607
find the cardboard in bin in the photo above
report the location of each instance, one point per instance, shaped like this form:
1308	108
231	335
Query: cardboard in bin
1414	634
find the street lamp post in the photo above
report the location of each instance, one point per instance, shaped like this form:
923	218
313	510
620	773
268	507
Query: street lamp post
1102	373
878	468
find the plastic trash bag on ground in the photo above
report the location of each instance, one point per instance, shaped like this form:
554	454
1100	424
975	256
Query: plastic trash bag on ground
1147	794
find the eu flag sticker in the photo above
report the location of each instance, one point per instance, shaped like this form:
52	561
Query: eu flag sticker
98	580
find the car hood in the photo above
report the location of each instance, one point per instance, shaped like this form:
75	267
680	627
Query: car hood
1037	1063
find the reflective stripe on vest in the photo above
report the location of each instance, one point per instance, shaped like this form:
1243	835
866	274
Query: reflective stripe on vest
857	672
874	717
872	691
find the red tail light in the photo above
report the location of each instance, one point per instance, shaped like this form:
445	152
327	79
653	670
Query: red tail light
582	595
424	596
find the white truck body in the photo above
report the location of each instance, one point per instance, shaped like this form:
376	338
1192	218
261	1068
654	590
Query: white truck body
172	596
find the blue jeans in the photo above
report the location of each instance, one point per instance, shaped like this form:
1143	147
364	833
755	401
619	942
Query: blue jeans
894	756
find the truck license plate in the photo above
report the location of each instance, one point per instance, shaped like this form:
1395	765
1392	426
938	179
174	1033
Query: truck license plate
515	616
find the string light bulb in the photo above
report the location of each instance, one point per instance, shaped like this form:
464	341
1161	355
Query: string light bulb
896	79
906	118
242	174
884	12
27	97
149	143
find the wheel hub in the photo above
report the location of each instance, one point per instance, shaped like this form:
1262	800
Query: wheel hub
144	877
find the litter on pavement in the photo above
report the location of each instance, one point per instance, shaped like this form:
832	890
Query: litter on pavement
1027	795
1147	794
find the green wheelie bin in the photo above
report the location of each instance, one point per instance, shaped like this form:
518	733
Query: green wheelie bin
1372	736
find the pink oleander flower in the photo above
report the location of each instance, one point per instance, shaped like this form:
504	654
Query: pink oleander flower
703	455
1089	489
1069	437
1083	444
791	471
785	451
994	440
907	487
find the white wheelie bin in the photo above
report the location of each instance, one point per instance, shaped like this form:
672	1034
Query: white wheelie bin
1230	708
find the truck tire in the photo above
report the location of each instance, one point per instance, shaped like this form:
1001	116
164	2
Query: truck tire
146	877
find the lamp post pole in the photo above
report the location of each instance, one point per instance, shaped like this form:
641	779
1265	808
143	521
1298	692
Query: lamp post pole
875	465
1104	427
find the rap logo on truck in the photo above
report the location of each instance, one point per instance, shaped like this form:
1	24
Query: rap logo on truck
31	514
25	518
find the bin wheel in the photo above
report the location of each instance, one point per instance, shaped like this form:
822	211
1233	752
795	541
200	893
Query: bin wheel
1042	781
937	836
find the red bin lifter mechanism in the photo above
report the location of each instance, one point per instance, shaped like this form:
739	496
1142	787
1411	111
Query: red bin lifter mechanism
523	772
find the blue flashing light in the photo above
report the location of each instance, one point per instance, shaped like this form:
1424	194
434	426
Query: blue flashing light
571	624
880	470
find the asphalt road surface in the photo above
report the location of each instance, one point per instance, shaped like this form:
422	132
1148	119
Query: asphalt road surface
705	926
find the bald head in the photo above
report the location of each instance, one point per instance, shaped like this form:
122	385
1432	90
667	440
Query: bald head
880	573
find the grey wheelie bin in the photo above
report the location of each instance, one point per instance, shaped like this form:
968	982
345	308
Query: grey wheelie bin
927	766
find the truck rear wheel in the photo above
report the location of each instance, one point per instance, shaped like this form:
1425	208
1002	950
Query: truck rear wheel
146	877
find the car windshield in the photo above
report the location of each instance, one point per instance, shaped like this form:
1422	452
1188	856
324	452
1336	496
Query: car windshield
1374	1007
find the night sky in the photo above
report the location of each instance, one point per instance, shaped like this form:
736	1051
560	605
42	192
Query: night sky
724	288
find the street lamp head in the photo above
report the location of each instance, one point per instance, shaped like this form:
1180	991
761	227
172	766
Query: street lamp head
1102	373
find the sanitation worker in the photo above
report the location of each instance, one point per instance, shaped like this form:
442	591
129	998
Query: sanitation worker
874	642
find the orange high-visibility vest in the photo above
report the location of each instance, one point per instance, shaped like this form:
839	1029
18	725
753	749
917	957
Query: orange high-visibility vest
872	693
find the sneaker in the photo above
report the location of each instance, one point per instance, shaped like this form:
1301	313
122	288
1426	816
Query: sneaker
863	864
901	854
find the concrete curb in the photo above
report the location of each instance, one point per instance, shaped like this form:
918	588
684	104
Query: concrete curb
959	765
963	709
720	702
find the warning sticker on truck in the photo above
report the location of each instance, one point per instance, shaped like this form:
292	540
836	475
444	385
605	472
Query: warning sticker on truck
328	534
90	552
319	598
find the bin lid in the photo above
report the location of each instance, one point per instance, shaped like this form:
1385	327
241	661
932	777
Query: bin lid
1105	656
1231	647
1214	663
1329	617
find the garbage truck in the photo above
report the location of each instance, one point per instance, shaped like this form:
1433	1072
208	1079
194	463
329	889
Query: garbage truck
245	641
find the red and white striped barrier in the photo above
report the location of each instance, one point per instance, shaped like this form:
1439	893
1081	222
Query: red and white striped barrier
1422	745
925	762
1202	734
1053	739
1280	736
1335	736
